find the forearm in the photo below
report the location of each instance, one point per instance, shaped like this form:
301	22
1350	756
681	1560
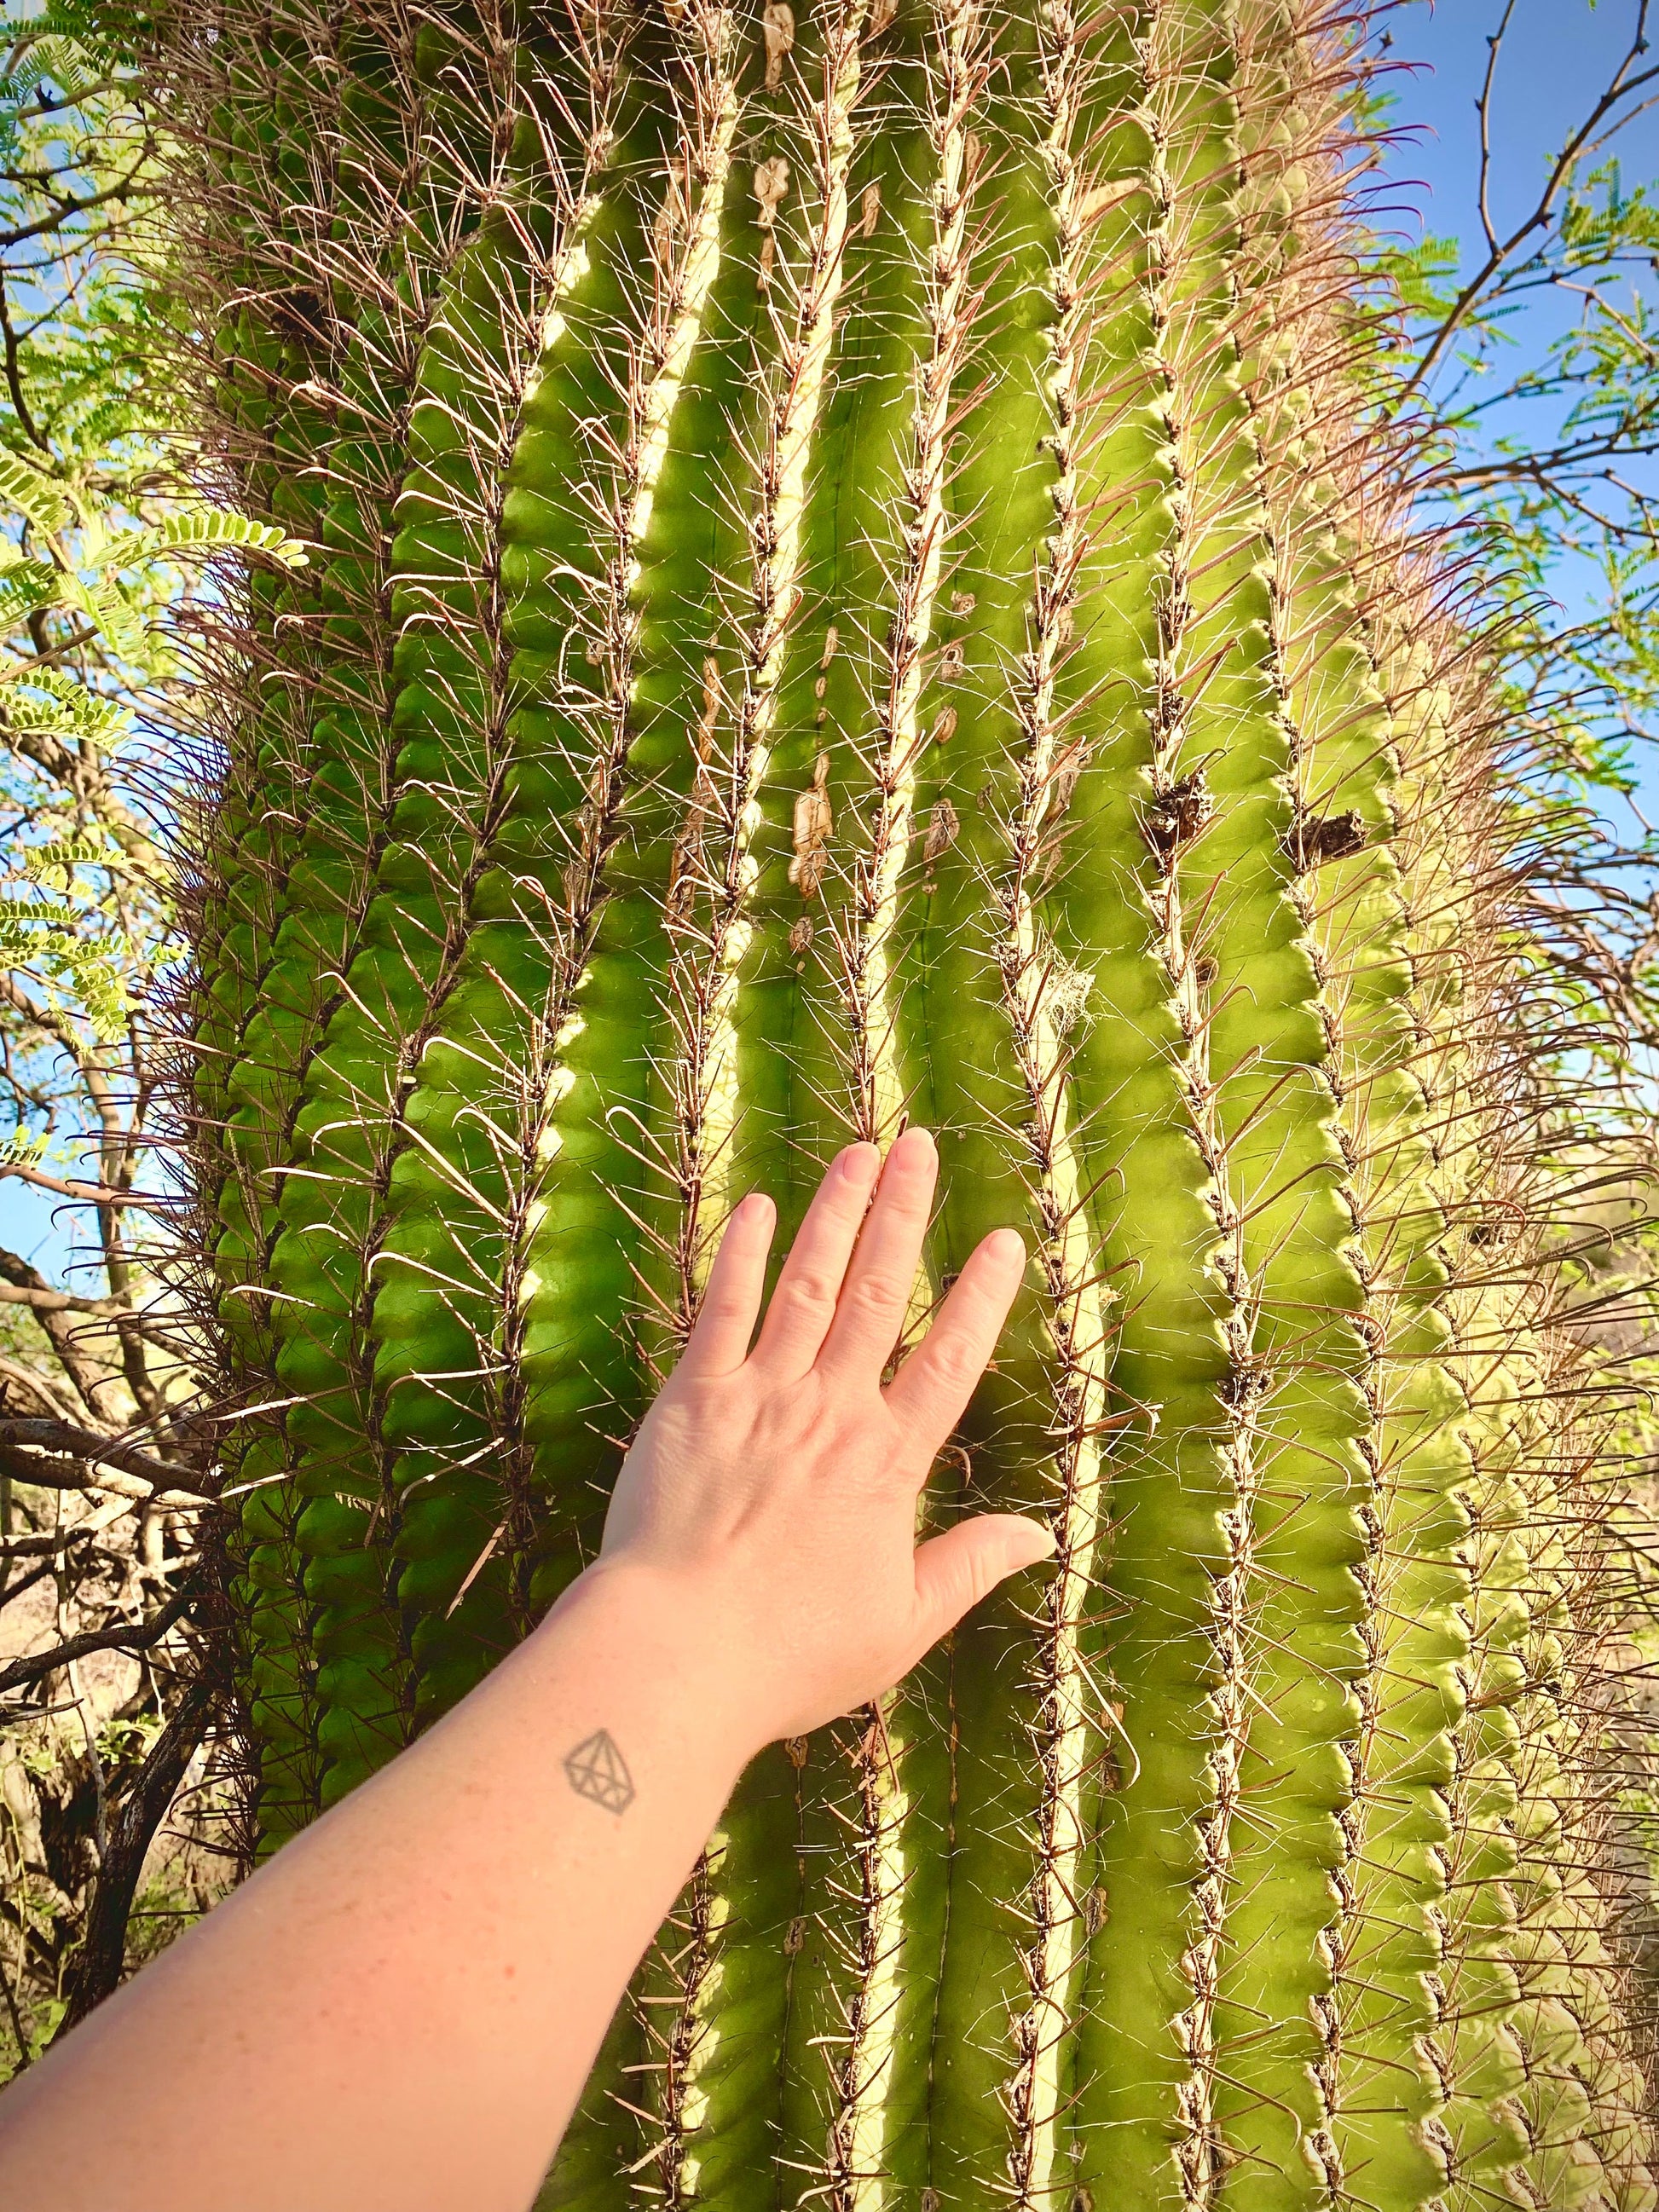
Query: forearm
463	1927
397	2015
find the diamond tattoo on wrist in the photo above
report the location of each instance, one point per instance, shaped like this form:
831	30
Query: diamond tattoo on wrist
597	1769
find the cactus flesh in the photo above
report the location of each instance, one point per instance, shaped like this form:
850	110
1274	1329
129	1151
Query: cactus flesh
853	579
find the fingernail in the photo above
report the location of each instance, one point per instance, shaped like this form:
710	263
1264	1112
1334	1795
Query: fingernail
1009	1244
858	1163
751	1208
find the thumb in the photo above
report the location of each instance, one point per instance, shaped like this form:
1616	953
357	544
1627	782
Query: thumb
955	1570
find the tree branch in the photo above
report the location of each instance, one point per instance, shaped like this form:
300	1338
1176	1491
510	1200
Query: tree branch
46	1545
1483	108
1543	214
127	1637
44	1299
69	207
13	371
97	1967
82	1444
88	1193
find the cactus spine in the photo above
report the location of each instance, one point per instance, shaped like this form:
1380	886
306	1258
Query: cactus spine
853	580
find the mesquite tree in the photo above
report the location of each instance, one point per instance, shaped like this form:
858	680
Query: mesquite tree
857	574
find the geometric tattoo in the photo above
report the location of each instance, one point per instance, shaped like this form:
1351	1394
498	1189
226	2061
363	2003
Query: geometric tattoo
597	1769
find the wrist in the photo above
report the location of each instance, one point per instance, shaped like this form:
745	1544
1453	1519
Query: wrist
667	1632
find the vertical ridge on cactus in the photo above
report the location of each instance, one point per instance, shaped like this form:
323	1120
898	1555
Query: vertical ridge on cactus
855	577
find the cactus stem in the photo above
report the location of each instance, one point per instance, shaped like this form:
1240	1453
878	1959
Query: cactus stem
686	259
1067	1700
955	65
959	66
1179	801
708	951
686	255
355	1094
857	2149
706	908
676	2103
1000	682
406	280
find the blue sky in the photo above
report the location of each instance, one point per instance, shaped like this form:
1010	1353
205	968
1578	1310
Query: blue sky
1557	58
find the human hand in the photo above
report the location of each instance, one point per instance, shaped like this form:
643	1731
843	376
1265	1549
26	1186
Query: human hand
773	1492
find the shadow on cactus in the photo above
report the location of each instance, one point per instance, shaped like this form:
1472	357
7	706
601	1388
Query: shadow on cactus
851	577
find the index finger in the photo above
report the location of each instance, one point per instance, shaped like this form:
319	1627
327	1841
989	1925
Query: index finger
719	1342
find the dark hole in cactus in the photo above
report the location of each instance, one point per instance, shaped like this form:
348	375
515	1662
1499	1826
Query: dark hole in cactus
299	312
1312	838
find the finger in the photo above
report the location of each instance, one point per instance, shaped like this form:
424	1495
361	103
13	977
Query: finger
719	1342
954	1571
804	1304
929	1393
877	1291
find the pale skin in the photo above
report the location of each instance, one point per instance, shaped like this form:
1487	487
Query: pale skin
399	2013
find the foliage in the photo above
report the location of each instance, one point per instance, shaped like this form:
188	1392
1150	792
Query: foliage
97	525
1530	355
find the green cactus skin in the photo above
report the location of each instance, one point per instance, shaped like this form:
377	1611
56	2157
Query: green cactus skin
291	899
846	591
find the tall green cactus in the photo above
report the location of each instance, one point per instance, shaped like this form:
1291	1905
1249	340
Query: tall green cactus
852	579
